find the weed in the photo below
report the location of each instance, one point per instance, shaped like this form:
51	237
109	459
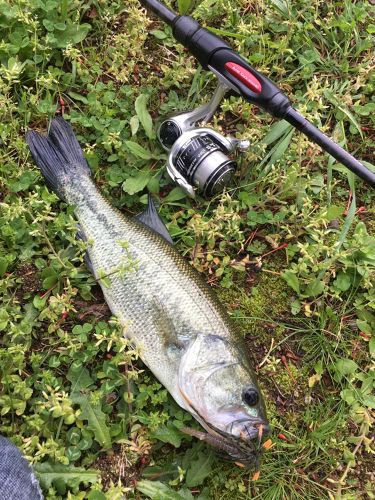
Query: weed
288	249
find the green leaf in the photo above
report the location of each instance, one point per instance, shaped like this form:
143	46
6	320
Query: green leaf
369	401
167	434
343	281
351	118
3	266
78	97
334	212
39	302
160	491
49	282
199	469
184	6
4	318
349	396
281	147
96	495
138	150
292	280
175	195
346	366
317	183
85	444
314	288
134	124
366	110
348	221
63	476
60	26
26	180
73	33
48	24
371	346
295	307
144	116
277	130
160	35
73	453
153	185
73	435
96	419
133	185
369	165
364	327
79	377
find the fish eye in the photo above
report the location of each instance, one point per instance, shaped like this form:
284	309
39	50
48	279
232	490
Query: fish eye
250	396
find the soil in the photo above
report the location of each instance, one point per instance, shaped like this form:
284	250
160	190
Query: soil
30	280
114	466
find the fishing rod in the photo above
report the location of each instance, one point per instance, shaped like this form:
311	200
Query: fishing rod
199	146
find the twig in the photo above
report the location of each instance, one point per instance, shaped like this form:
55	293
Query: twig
268	353
271	272
346	211
284	245
50	246
341	481
249	240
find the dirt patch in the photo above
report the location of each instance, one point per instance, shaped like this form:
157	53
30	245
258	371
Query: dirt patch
30	282
98	309
115	466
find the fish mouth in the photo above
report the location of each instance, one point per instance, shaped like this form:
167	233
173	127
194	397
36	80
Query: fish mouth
244	450
249	430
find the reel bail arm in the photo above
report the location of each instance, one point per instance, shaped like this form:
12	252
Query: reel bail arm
172	128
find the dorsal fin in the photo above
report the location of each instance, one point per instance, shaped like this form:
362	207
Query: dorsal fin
151	219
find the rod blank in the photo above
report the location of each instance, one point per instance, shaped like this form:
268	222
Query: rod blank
160	10
328	145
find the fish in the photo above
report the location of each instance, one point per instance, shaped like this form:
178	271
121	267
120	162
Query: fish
182	332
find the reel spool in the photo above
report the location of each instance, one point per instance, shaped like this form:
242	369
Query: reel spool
198	157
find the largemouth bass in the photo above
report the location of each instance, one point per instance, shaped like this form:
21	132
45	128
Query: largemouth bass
183	334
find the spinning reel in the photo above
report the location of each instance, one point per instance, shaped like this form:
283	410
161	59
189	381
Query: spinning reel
198	156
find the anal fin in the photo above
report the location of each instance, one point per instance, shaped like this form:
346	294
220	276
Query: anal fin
80	235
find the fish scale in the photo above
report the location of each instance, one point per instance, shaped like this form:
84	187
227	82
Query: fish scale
162	280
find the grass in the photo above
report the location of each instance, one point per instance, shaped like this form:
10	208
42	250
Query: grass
73	394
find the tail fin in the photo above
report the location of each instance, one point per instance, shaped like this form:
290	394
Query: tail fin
59	156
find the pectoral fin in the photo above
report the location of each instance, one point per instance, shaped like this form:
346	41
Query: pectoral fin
206	355
163	321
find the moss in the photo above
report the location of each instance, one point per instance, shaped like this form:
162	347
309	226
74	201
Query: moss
258	311
288	378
